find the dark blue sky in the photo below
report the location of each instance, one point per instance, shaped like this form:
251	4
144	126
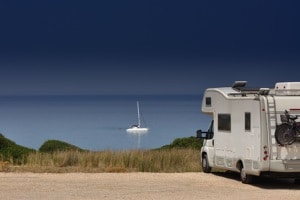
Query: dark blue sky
144	46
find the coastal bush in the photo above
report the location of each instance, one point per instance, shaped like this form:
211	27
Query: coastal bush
51	146
183	143
12	152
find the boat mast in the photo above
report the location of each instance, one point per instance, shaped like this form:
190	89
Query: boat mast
138	109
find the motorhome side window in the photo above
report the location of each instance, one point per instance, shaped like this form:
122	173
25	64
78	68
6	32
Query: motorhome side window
224	122
211	127
247	121
208	101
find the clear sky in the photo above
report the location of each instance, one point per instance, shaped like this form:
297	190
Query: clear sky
146	46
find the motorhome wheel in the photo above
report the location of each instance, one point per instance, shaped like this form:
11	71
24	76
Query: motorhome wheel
245	178
205	165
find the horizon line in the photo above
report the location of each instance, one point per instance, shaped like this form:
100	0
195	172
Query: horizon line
192	94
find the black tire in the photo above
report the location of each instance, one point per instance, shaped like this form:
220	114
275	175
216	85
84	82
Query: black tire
284	135
245	178
205	165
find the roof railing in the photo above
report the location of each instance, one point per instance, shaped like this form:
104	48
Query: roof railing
240	87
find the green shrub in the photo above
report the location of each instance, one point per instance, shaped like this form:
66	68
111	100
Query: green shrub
10	151
51	146
190	142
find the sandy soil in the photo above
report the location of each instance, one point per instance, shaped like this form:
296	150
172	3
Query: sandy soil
139	186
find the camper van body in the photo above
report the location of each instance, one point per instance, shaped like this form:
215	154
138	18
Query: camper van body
241	136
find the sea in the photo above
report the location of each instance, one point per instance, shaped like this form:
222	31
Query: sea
99	122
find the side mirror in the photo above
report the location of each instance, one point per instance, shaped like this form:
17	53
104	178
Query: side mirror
201	135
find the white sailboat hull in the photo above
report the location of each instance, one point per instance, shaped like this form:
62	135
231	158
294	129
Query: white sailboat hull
137	130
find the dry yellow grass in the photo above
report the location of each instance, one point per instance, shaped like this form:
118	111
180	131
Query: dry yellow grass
168	160
4	166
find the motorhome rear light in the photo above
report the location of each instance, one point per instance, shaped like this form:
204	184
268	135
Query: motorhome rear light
266	153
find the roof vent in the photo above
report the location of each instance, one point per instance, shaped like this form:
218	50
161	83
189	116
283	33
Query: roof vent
239	84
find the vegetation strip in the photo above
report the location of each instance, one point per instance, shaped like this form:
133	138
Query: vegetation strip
182	155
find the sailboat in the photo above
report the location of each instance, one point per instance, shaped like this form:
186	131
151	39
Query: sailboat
137	129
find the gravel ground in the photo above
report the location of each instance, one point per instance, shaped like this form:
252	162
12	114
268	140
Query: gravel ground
139	186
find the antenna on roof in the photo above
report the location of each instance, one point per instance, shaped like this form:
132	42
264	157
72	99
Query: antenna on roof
239	84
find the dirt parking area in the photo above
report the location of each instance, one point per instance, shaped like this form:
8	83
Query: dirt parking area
139	186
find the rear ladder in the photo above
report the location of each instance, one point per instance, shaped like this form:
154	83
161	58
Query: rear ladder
272	122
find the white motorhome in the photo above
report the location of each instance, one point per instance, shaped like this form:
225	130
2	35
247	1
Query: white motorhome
242	137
